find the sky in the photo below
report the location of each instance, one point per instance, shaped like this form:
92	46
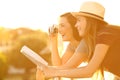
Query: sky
40	14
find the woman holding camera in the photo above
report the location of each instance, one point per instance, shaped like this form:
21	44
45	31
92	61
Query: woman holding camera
103	44
69	33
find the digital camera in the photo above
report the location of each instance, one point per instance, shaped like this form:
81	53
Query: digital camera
53	29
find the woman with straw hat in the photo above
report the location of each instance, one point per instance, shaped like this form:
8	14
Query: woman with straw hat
103	44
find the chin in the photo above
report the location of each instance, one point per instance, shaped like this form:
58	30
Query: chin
81	34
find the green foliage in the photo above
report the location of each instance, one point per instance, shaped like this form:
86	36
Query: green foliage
12	40
3	66
36	40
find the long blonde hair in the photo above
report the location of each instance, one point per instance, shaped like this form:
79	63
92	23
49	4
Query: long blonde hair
92	27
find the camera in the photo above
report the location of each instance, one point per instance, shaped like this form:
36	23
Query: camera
53	29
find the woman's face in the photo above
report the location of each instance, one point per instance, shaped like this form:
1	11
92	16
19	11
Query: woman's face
65	29
81	25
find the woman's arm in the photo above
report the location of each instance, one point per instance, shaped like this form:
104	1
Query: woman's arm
72	59
75	60
55	58
82	72
55	55
80	55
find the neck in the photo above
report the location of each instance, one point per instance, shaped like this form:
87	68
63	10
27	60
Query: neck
74	43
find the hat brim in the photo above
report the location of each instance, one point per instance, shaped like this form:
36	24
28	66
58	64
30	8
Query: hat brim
77	14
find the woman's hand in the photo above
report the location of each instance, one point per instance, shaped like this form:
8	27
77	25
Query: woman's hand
53	32
53	41
39	75
53	36
49	72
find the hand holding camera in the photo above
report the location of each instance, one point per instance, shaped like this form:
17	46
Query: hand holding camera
53	29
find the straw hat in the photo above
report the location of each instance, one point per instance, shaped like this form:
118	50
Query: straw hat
91	9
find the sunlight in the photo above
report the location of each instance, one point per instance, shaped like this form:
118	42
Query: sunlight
40	14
